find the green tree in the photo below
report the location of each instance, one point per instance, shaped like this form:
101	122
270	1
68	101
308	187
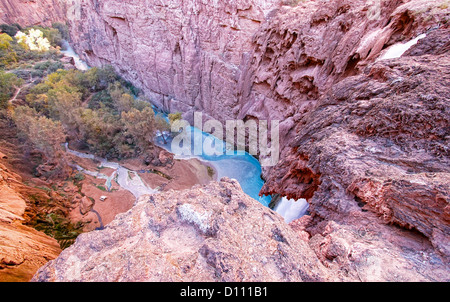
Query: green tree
66	106
106	76
102	132
101	99
124	103
11	30
53	35
38	98
173	117
141	126
90	79
39	103
5	41
140	104
63	30
44	135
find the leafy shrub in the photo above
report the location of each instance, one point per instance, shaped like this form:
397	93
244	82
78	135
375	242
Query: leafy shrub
43	133
7	53
8	84
101	99
11	30
33	40
49	66
141	125
63	30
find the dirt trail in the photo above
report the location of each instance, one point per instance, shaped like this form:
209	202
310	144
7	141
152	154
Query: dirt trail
19	89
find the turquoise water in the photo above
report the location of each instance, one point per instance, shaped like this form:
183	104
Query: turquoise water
241	166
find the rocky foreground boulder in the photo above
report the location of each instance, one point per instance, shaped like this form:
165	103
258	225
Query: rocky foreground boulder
208	233
216	232
374	152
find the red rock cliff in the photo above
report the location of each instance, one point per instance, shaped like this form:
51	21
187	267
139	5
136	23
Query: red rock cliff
22	249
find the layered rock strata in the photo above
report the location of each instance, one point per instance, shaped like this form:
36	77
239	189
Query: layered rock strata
22	249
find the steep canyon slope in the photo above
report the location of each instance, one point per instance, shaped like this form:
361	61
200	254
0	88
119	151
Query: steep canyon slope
22	248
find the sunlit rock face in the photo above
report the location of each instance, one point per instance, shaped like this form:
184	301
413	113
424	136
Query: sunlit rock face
22	249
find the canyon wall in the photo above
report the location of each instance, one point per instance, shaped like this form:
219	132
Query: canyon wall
364	140
32	12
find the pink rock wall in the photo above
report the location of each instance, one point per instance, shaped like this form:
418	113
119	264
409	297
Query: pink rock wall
32	12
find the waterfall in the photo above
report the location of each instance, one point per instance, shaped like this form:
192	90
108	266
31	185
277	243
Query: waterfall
397	50
291	209
69	52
